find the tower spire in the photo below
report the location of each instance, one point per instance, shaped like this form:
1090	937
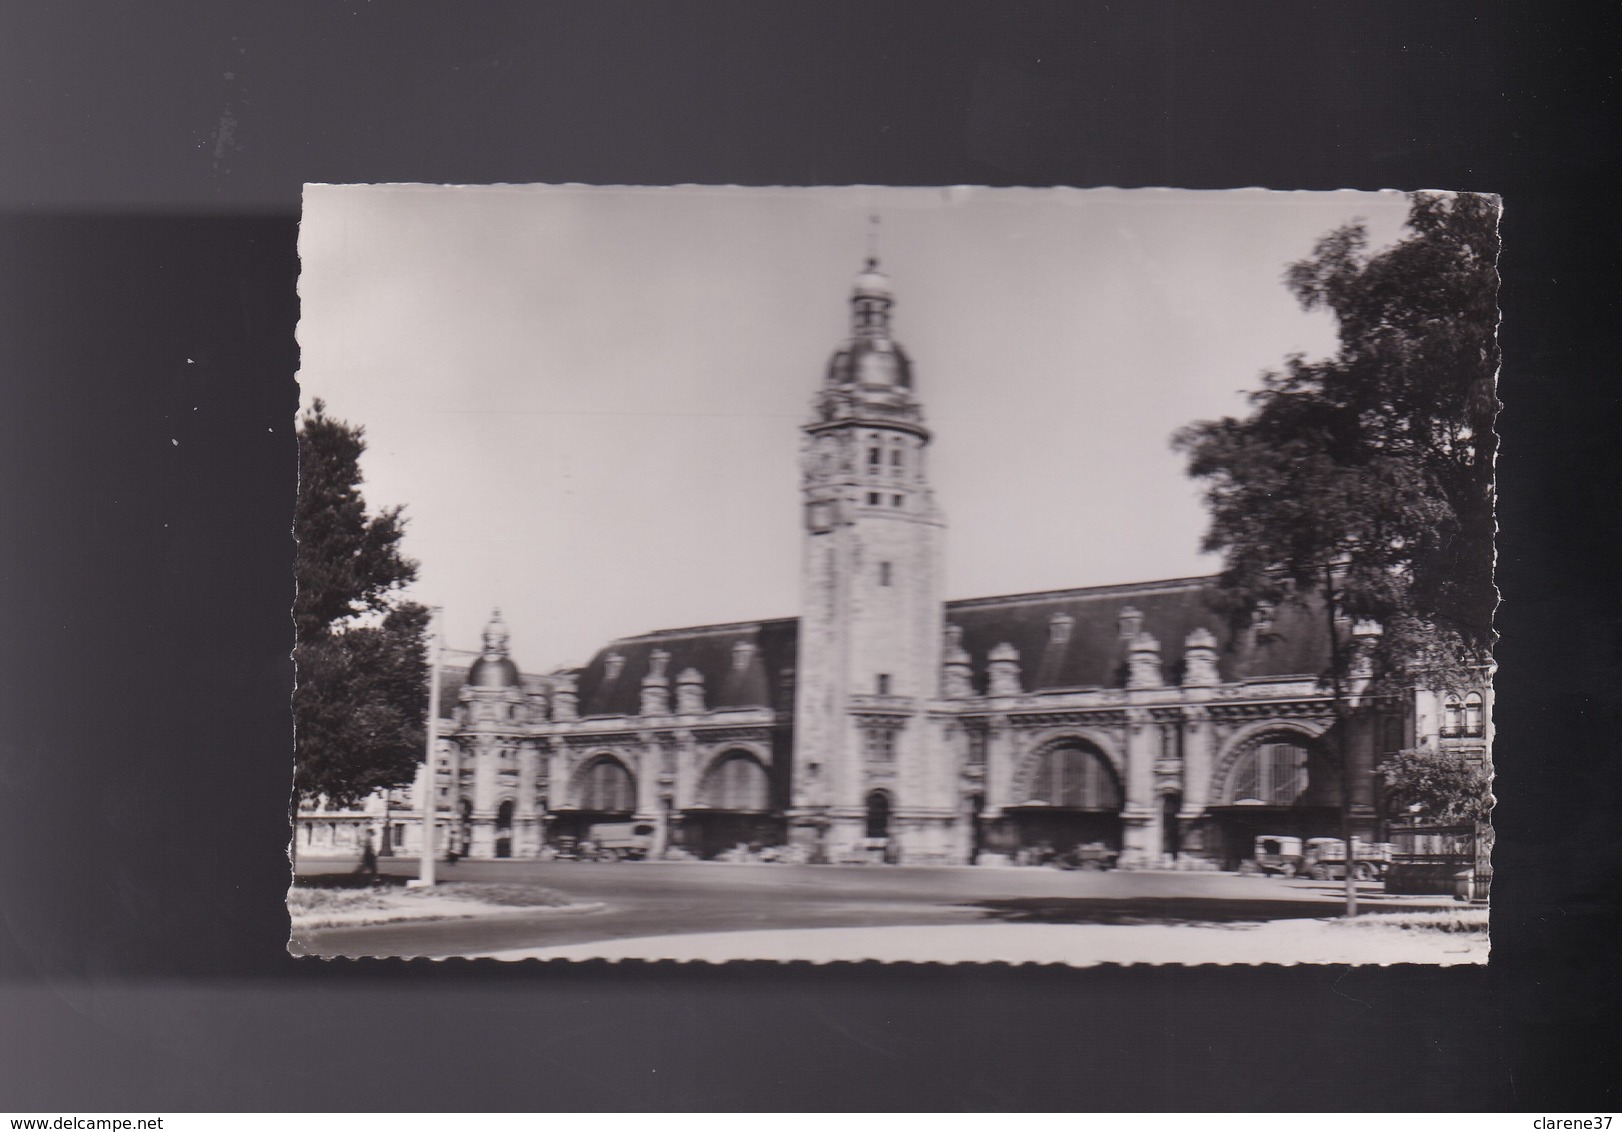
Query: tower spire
873	223
495	636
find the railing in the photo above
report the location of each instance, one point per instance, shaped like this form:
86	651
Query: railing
1435	859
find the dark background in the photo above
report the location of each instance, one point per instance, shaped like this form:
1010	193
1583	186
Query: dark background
150	164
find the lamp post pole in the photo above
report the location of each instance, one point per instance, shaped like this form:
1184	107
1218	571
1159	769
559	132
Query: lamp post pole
427	799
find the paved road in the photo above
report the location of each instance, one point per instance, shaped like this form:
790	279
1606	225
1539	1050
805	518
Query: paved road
647	899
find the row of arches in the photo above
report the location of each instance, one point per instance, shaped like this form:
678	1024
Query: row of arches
1067	794
732	806
734	781
1068	774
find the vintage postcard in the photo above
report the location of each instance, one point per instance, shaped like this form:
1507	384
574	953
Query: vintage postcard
903	574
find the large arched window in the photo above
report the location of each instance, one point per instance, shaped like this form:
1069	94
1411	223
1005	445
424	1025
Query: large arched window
1452	718
606	786
1272	773
735	782
1074	777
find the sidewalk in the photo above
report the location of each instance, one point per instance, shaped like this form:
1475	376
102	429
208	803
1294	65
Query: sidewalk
1330	941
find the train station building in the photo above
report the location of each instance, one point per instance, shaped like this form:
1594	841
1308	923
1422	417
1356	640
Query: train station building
886	724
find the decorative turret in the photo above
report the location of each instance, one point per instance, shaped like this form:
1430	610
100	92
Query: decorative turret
536	698
957	673
565	697
656	685
1365	637
690	692
494	668
870	376
1200	660
1143	663
1129	623
1004	669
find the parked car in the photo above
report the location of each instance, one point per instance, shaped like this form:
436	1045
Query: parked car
1093	856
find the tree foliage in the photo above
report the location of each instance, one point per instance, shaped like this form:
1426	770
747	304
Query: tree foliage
1366	478
1437	784
361	655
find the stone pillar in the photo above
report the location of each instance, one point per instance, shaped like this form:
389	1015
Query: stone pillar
1001	760
1199	756
1002	763
672	755
552	765
647	777
1140	820
451	831
525	842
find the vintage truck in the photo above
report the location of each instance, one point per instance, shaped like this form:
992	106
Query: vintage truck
1274	856
1325	859
1321	858
617	841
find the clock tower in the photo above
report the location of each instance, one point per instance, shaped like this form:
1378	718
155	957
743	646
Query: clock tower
866	783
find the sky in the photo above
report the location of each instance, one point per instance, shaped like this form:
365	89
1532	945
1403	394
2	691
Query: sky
588	399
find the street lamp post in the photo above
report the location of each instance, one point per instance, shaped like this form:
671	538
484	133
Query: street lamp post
426	795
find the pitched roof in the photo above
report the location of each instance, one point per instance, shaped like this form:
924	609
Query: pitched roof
734	677
1095	654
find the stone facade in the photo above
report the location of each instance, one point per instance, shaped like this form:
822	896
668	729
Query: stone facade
887	725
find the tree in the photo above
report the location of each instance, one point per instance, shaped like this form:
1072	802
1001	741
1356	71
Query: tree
1437	784
361	656
1363	482
1366	478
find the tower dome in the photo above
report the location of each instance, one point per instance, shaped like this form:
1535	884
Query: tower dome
494	669
872	283
871	358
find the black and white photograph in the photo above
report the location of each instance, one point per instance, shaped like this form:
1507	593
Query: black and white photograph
921	575
1030	556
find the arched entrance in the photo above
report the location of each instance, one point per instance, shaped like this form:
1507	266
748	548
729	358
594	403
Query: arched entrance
605	791
1278	784
733	808
504	829
1171	833
878	815
1071	797
880	846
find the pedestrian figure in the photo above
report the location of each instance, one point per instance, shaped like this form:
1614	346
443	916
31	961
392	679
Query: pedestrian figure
368	860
